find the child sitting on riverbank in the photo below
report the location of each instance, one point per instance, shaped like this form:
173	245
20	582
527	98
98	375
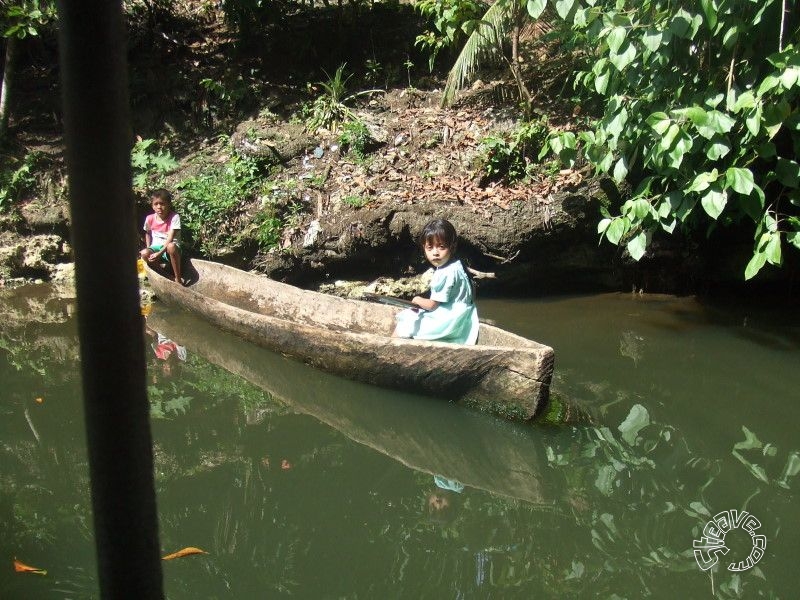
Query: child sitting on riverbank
163	233
449	314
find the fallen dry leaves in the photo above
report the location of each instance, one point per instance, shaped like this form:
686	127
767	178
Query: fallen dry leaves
184	552
21	567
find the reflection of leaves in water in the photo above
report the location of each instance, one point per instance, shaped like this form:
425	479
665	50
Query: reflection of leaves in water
635	466
164	407
637	419
631	345
22	355
752	447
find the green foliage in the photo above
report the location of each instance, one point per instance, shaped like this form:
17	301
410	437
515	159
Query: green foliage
484	46
209	201
452	22
355	201
511	158
373	71
226	95
330	108
269	229
150	165
17	178
701	110
26	18
355	138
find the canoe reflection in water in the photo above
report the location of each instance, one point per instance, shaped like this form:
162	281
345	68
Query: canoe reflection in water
467	448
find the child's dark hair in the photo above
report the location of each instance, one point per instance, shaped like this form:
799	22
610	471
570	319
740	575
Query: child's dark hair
441	230
161	194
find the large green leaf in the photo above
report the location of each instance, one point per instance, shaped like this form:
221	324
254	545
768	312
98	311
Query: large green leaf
710	12
788	172
616	125
773	249
620	170
741	180
659	121
669	136
602	76
536	8
564	8
652	39
618	228
758	260
714	201
615	39
753	120
714	122
703	181
717	149
637	245
682	146
624	58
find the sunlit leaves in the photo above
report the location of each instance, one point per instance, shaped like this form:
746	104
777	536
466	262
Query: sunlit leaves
714	201
741	180
564	8
768	248
615	39
602	75
710	12
536	8
616	229
624	58
684	107
652	39
659	121
637	245
712	123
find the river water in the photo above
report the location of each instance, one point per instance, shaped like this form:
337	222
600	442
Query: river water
300	484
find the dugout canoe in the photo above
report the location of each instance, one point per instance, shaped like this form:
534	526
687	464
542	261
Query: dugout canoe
504	373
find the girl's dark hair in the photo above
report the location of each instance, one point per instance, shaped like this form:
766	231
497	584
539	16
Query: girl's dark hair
442	230
161	194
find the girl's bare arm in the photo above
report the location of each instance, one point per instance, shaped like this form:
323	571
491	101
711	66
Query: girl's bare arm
425	303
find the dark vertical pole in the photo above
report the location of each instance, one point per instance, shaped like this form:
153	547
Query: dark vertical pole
96	119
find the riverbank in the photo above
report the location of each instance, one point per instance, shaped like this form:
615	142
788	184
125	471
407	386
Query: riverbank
312	205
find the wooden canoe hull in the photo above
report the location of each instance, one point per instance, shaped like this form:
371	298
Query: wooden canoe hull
504	373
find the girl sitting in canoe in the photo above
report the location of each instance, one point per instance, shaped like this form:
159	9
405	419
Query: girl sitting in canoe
449	314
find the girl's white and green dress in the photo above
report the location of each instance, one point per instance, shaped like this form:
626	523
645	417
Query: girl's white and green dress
454	320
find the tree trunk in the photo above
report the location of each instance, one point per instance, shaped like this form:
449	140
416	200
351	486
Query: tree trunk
7	84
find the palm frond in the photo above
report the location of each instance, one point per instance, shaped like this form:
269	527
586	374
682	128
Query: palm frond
485	44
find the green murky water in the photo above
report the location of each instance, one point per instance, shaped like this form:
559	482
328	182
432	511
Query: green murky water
300	484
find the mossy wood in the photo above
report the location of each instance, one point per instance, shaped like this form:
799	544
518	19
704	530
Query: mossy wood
504	373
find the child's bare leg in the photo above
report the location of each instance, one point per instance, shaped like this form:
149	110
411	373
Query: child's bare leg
175	260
